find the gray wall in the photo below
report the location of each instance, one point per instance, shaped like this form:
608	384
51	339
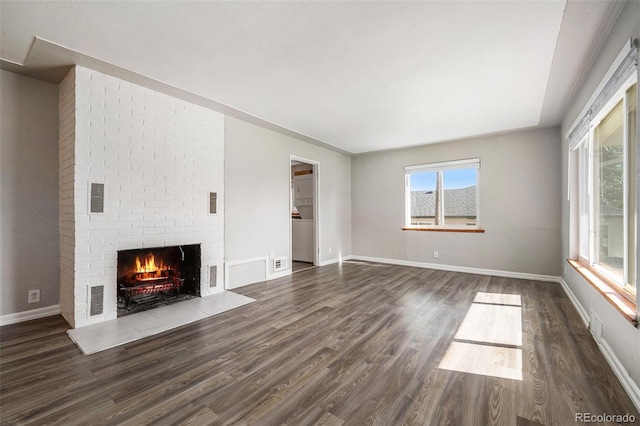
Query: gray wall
519	205
622	339
257	180
29	242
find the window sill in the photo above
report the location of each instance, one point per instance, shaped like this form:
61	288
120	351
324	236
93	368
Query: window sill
608	291
470	230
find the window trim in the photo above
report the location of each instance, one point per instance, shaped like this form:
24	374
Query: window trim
445	229
624	66
610	291
618	97
601	279
445	165
470	163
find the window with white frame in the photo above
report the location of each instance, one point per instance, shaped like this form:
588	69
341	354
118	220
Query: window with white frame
442	195
607	188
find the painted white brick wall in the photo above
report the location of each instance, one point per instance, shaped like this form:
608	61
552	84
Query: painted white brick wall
158	157
66	149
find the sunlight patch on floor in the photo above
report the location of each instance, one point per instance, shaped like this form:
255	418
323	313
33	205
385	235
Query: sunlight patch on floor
492	324
489	339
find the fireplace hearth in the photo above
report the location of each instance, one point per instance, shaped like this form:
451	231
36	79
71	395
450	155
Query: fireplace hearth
153	277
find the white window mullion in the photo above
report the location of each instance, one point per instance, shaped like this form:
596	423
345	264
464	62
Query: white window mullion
590	202
440	200
630	189
478	198
625	185
584	227
407	198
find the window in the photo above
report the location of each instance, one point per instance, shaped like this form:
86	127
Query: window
442	195
606	192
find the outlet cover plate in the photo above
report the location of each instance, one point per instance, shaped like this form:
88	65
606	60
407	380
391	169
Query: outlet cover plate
33	296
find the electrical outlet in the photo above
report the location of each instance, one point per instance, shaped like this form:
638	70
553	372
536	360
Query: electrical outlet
271	254
34	296
329	249
435	254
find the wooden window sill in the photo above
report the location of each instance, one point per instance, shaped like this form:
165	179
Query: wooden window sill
623	305
470	230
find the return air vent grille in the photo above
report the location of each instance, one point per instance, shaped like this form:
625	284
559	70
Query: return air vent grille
213	202
279	264
596	327
213	276
96	297
96	204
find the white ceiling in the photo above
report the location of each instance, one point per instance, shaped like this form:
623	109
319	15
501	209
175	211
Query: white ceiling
360	76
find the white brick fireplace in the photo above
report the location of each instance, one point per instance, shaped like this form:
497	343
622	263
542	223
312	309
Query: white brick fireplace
159	158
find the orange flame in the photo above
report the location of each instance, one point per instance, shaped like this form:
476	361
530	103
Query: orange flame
149	269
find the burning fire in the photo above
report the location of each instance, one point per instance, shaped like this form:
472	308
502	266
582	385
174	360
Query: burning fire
150	269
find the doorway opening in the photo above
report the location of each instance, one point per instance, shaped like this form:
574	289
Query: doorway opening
304	214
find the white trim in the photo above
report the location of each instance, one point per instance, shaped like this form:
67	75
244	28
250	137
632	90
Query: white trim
614	362
616	98
32	314
407	199
445	165
626	48
279	274
583	141
575	302
621	373
316	207
333	261
465	269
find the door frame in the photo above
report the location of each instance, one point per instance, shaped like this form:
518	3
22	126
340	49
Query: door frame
315	165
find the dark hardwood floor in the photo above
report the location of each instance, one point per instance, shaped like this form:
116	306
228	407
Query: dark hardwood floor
343	344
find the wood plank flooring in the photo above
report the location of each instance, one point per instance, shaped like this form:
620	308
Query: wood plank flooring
353	344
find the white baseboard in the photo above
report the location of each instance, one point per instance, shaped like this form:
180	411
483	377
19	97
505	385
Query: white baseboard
280	274
32	314
465	269
575	302
334	260
614	362
621	373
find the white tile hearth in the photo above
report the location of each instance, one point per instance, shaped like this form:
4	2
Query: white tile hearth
109	334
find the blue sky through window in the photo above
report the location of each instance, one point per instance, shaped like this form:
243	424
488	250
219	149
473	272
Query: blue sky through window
425	181
453	179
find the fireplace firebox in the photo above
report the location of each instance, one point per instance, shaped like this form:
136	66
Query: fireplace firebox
153	277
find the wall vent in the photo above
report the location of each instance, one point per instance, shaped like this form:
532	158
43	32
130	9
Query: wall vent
596	327
213	203
279	264
213	276
96	297
96	201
